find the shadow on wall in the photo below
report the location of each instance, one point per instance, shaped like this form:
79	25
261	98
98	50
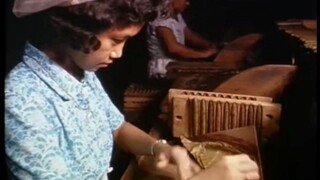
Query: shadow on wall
222	20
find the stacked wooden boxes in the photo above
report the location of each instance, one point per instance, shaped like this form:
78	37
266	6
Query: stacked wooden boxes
138	98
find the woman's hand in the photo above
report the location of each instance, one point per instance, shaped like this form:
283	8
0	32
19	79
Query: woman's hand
212	51
166	154
186	167
235	167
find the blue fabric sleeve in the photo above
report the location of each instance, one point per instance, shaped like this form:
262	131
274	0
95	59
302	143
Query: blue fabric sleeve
31	143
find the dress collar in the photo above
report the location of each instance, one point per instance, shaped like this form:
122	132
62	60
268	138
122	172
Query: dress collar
66	85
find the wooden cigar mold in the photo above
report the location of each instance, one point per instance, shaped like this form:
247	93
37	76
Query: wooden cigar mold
197	113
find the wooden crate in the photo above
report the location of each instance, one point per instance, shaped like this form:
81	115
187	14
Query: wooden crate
139	98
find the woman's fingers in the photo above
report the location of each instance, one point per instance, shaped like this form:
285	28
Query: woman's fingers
248	166
241	166
161	160
252	176
186	168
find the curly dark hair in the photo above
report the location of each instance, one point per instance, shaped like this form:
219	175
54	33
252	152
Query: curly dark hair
78	25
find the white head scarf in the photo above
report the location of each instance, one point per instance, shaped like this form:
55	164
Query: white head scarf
26	7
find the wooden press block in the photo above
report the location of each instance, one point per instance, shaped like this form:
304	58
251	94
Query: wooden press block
237	50
198	115
266	80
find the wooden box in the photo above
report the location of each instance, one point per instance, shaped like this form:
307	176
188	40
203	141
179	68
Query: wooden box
138	98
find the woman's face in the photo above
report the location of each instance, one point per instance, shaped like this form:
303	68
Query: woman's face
112	43
180	5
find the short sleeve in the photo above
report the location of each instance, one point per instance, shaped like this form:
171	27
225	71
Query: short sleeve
31	143
168	23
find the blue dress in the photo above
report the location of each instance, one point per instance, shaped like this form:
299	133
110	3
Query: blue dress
57	127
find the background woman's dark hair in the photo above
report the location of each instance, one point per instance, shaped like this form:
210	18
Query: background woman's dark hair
77	25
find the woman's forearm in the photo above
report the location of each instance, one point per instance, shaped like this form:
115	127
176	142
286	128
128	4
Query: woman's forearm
184	52
195	40
134	140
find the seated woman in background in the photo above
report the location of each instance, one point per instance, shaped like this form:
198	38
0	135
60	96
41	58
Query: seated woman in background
169	39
